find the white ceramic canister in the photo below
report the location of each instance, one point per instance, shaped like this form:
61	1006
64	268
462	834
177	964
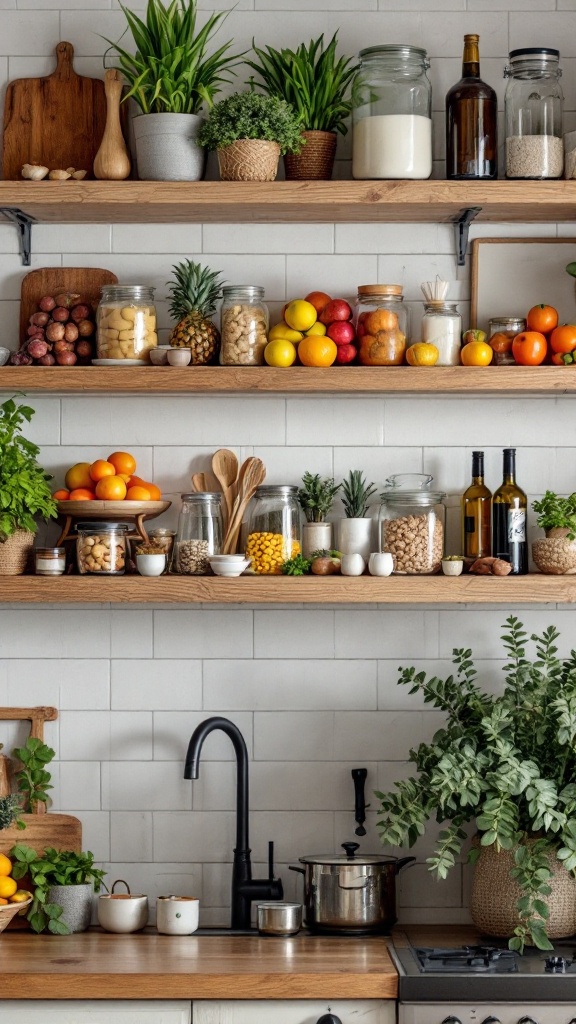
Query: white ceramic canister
352	565
381	563
177	915
122	912
355	536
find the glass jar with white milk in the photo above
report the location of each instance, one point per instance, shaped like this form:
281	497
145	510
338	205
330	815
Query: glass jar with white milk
392	115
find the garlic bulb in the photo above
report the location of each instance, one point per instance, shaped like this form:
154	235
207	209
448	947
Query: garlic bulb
34	172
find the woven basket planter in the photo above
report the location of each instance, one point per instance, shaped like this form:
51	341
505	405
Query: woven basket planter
249	160
15	553
495	894
315	161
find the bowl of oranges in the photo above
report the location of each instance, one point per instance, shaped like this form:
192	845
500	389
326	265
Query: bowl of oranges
109	487
12	899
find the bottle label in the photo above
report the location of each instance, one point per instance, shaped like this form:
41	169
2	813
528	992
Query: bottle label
469	524
516	525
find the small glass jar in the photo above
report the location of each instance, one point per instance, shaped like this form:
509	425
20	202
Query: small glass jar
442	327
244	325
382	324
126	323
274	528
501	333
50	561
392	115
412	524
162	538
101	548
199	534
533	110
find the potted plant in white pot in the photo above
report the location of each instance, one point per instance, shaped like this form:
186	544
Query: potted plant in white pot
317	86
170	77
24	490
316	497
249	132
64	883
556	553
355	531
506	763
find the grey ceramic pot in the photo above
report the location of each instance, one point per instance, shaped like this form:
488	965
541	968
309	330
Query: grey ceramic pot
76	903
166	147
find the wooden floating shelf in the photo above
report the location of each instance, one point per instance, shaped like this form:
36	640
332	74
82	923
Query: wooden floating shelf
289	201
252	590
293	380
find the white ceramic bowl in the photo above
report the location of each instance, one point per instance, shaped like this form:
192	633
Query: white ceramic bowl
123	913
233	568
159	355
150	565
452	567
179	356
228	558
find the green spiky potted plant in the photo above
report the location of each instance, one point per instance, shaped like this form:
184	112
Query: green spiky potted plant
316	497
249	132
193	294
355	531
317	85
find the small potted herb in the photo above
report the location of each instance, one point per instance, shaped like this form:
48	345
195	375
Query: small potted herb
316	497
355	531
556	555
249	132
63	885
33	782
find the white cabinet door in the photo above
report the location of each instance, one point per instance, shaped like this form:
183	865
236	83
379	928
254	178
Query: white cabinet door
293	1011
95	1011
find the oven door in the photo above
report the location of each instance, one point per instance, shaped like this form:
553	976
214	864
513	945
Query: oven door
487	1013
294	1011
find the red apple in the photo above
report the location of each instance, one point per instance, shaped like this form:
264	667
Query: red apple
338	309
346	354
341	331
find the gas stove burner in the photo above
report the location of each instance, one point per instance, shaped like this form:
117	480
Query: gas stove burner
557	964
468	959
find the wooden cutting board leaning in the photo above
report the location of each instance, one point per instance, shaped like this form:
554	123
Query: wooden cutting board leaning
83	281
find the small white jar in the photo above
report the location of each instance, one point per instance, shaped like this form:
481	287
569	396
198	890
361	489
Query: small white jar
177	915
381	563
151	565
352	565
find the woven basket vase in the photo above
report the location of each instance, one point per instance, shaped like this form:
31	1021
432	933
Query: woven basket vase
249	160
315	161
15	552
495	894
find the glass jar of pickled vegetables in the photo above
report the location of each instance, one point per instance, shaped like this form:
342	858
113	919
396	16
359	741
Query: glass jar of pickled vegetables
381	320
126	323
199	533
274	528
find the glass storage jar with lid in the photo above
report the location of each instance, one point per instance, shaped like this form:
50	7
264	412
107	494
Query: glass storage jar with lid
392	114
442	327
244	325
126	323
411	524
382	324
501	333
533	110
274	528
101	548
199	533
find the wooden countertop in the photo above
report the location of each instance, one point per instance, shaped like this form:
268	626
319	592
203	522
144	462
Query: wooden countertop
146	965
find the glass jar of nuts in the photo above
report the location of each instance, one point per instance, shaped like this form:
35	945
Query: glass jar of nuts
199	534
126	323
411	524
244	325
101	548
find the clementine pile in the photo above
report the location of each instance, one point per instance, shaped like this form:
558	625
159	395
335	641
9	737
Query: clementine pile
111	479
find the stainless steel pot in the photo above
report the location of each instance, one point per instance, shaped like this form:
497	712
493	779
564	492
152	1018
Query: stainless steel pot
350	893
279	918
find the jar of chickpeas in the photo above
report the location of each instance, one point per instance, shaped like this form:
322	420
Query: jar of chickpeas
126	323
274	528
244	325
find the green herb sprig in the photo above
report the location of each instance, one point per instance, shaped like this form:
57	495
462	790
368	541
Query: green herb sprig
33	779
297	566
554	511
248	115
10	812
24	486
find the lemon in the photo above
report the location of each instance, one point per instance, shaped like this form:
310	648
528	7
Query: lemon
317	329
280	353
282	330
8	886
20	896
5	864
300	315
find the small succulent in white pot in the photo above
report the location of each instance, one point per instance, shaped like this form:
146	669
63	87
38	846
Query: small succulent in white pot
355	531
316	498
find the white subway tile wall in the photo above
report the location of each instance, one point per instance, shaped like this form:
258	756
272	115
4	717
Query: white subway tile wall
313	690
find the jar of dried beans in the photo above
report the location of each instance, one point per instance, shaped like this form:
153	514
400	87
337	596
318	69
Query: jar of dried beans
244	325
199	534
412	523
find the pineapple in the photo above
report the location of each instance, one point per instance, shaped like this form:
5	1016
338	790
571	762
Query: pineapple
193	294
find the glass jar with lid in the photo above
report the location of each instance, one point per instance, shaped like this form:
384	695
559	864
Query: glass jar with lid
533	111
101	548
501	333
392	114
274	528
50	561
199	533
244	325
442	327
412	524
382	324
126	323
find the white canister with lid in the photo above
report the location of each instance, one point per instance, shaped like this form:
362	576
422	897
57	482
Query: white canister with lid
442	327
177	915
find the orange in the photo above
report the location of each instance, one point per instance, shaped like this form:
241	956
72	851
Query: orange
5	864
123	462
124	476
135	481
81	494
78	476
318	300
317	351
380	320
100	469
111	488
529	348
155	492
138	494
61	495
8	886
422	354
476	353
563	339
542	319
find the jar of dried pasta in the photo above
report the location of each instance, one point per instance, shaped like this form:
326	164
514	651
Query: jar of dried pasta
244	325
126	323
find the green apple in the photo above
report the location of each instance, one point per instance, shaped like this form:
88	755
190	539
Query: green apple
473	335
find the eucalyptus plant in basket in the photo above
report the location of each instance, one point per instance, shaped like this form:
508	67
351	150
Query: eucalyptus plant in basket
505	762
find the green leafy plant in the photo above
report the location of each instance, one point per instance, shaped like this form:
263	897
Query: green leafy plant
33	779
356	494
311	79
55	867
24	488
170	71
10	812
556	512
247	115
316	496
297	566
507	762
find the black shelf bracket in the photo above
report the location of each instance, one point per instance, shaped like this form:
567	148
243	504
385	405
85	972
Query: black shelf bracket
24	224
462	226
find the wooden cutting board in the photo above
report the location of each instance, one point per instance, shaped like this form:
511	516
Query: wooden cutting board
85	281
57	121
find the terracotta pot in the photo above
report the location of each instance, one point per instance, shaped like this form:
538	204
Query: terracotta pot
249	160
315	161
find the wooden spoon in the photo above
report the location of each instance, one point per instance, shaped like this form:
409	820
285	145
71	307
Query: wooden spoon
254	475
225	469
203	482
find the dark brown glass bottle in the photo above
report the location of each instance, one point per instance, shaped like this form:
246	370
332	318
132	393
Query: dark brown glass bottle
477	513
471	121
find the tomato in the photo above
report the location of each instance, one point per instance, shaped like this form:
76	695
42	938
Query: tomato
529	348
563	339
542	318
563	359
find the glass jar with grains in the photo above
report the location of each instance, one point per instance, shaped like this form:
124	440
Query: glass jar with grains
244	325
274	528
533	111
411	524
199	533
126	323
381	320
101	548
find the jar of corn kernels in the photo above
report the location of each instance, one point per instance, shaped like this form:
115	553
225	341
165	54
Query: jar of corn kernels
274	528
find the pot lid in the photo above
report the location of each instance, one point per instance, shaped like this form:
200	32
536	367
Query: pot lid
349	857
